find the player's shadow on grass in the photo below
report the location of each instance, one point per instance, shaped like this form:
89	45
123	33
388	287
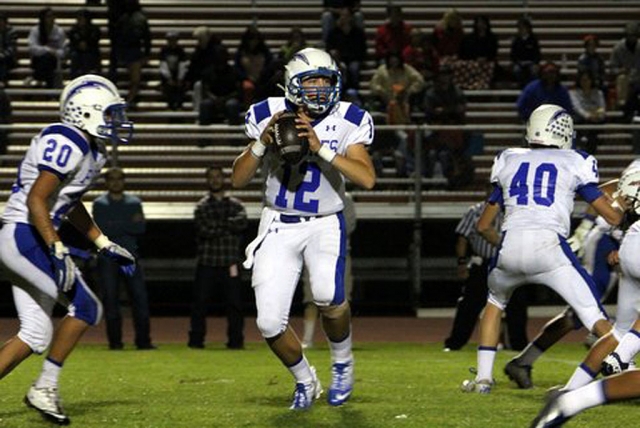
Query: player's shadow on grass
349	417
77	408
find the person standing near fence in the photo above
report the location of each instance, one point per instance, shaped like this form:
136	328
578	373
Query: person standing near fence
120	215
220	222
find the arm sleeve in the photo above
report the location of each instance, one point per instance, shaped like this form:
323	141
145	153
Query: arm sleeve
364	133
58	155
137	225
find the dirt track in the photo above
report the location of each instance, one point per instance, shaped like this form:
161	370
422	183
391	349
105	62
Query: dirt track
366	329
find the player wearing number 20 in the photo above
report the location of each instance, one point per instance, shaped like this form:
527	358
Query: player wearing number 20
60	165
536	187
302	222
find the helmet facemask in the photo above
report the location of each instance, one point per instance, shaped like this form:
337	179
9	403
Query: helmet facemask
116	126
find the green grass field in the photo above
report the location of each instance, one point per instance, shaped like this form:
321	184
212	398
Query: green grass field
398	385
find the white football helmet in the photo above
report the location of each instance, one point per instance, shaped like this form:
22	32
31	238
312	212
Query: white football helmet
629	189
312	62
550	125
92	103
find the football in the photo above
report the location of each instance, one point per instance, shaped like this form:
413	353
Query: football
290	146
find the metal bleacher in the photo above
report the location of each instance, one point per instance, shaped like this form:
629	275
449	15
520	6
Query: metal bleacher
164	162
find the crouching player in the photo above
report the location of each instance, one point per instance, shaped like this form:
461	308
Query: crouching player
59	166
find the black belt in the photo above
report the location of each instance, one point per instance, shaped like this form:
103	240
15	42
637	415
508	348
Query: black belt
286	218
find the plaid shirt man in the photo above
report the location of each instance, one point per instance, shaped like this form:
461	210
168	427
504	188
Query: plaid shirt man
219	226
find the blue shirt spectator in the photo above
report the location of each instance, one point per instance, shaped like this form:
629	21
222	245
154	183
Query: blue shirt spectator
545	90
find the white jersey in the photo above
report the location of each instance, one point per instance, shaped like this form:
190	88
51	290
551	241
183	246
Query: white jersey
314	187
539	186
64	151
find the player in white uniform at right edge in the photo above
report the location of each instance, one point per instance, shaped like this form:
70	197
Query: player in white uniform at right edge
60	165
566	403
302	222
537	187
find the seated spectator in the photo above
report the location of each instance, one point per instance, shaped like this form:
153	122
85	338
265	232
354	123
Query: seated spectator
625	63
331	13
445	104
591	61
396	86
173	68
448	34
84	45
8	49
525	53
480	49
133	40
203	56
396	81
348	44
392	36
547	89
47	47
421	54
253	58
221	89
589	108
296	42
631	114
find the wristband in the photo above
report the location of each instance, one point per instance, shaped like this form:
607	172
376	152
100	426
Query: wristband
463	260
101	241
326	153
258	148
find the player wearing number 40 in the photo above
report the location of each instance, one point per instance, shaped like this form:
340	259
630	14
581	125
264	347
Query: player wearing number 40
302	223
536	187
60	165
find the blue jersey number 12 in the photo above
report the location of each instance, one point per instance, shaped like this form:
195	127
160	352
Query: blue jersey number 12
307	186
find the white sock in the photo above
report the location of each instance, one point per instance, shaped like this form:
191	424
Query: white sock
49	374
301	371
582	376
486	357
590	395
309	329
529	355
341	352
629	346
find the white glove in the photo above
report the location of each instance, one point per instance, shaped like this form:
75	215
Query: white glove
64	269
576	241
115	252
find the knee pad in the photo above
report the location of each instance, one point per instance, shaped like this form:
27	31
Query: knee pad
36	333
270	326
334	312
85	305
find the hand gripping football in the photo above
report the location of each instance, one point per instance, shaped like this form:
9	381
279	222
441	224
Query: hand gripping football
290	146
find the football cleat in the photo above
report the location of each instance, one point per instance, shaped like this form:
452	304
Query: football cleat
47	402
612	364
341	383
482	386
519	373
551	415
306	393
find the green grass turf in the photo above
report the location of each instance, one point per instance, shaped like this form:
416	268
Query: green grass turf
397	385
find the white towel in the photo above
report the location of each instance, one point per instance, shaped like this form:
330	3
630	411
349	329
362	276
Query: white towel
266	218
